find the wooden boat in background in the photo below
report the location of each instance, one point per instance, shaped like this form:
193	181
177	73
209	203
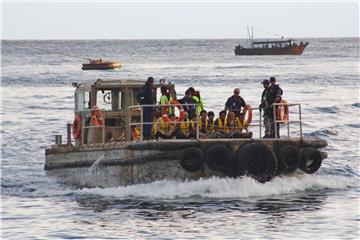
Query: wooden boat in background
279	47
271	47
100	65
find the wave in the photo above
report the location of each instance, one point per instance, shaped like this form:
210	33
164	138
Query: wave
332	109
322	133
225	188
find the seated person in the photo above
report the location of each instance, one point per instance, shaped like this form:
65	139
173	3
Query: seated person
211	121
203	124
233	126
163	129
136	133
186	128
220	126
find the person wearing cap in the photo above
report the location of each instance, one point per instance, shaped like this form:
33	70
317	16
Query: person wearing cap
264	106
149	99
274	96
235	103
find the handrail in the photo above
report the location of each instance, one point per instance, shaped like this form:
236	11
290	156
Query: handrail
85	116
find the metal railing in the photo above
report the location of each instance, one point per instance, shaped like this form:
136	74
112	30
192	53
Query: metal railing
87	115
142	123
287	122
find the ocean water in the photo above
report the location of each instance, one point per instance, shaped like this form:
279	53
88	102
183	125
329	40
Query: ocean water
37	102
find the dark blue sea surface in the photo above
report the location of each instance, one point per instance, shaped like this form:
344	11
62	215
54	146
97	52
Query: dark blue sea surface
37	102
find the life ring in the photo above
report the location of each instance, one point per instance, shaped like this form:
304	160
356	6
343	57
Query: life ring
192	159
181	115
282	112
255	160
97	116
311	160
219	158
76	126
289	159
247	117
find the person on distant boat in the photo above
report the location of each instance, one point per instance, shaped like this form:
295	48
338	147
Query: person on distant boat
274	96
235	103
148	99
265	107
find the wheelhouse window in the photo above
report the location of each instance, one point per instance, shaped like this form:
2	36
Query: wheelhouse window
110	100
82	101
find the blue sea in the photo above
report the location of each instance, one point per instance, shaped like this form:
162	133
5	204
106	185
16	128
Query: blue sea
37	102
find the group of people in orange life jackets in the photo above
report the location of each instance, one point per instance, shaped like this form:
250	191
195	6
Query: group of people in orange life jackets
229	124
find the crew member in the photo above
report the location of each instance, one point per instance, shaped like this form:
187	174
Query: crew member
148	99
235	103
275	94
266	108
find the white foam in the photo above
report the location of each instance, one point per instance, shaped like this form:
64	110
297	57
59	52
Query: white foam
226	187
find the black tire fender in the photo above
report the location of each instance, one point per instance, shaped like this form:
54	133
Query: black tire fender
288	159
192	159
311	160
219	158
256	160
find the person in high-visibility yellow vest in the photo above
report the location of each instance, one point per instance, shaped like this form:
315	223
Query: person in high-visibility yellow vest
203	124
164	100
136	133
234	126
220	122
186	128
211	121
165	130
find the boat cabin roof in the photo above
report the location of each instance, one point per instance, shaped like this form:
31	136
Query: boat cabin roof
112	84
273	41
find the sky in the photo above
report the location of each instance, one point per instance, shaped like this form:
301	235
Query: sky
170	20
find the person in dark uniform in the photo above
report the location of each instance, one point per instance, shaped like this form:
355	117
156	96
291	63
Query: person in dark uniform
149	99
265	108
274	96
188	99
235	103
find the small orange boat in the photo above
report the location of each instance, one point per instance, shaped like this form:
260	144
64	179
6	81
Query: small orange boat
100	65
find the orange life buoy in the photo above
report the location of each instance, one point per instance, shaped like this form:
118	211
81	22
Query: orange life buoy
248	116
76	127
282	112
181	115
97	116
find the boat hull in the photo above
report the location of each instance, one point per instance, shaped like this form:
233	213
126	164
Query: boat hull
109	165
293	50
100	66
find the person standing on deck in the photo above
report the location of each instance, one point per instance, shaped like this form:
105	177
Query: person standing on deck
264	106
235	103
274	96
149	99
164	100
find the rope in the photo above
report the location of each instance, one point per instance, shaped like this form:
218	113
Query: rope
274	34
40	49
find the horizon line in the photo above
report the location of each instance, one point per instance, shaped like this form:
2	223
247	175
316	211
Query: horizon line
97	39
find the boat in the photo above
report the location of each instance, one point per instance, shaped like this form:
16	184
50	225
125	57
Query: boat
101	149
271	47
100	65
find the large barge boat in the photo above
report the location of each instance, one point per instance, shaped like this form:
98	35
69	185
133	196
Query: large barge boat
102	152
